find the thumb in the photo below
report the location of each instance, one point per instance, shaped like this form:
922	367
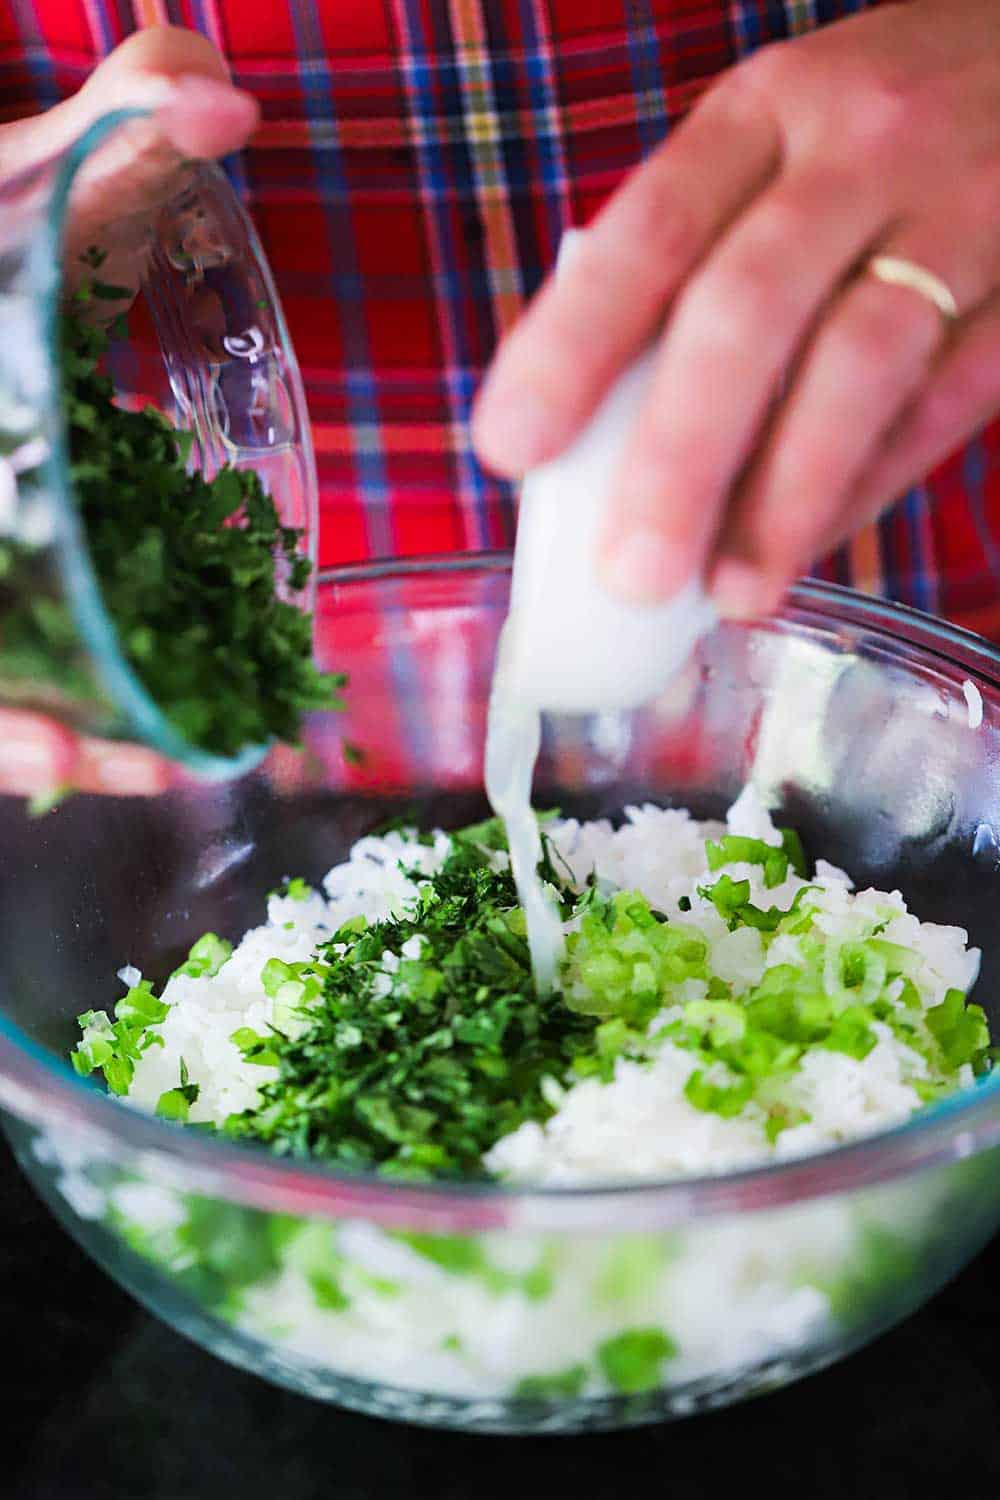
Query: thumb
175	72
181	76
196	112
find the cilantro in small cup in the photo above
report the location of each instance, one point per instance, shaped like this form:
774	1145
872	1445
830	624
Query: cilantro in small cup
189	571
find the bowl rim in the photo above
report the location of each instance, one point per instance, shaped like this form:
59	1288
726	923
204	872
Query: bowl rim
42	1089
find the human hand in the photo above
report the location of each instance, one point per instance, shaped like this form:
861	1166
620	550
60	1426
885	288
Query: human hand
196	114
40	757
794	395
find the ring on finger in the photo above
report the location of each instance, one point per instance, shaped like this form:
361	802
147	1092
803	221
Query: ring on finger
896	270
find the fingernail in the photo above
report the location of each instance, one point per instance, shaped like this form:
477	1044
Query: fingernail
642	569
739	590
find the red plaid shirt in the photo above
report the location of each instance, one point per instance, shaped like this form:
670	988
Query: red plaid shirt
416	166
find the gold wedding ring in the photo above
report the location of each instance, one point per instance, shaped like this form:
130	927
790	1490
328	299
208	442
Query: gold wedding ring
896	271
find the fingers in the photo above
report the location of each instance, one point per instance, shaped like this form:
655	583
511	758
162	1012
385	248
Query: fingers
735	330
140	166
866	363
584	327
205	119
961	397
38	755
179	74
142	73
198	114
165	50
120	770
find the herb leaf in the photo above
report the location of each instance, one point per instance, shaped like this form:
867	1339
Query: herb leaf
419	1065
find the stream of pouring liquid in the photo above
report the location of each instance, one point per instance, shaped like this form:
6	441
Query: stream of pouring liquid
513	739
568	646
652	652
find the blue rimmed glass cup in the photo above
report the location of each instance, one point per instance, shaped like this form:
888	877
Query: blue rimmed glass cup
209	348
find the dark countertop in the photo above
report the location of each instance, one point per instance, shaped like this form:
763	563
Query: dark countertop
104	1403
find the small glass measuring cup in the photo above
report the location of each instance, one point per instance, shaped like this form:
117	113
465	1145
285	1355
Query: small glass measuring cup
215	359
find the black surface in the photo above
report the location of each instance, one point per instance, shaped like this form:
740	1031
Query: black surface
103	1403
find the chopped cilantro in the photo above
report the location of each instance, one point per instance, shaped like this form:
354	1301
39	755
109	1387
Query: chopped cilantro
421	1075
188	571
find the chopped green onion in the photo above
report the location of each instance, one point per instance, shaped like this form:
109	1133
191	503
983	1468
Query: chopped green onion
633	1361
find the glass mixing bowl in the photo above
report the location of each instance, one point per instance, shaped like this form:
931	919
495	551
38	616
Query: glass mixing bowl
207	345
478	1306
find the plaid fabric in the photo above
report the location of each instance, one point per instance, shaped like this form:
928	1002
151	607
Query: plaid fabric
417	163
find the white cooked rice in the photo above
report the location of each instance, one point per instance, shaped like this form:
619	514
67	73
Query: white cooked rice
639	1124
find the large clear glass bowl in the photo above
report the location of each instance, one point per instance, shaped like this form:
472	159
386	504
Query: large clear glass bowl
479	1306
